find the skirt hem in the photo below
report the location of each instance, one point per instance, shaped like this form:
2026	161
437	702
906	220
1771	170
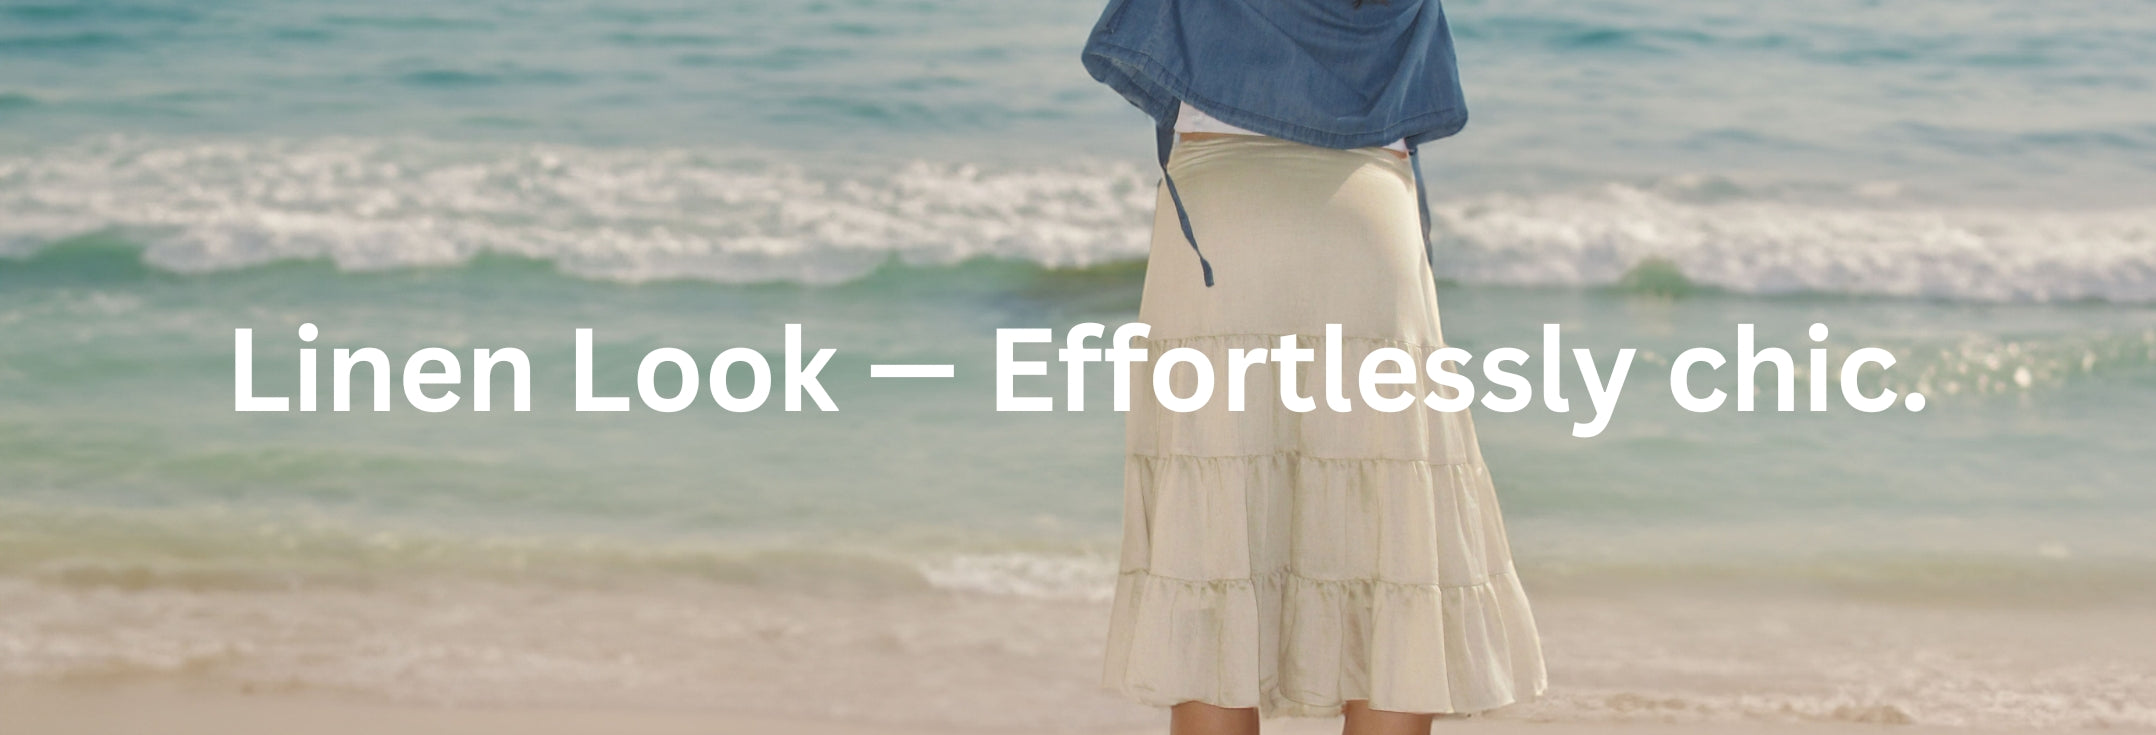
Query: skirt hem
1404	647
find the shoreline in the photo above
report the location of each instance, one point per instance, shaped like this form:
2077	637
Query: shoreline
667	658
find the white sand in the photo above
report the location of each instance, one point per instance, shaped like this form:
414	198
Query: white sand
442	656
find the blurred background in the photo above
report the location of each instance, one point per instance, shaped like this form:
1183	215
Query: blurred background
1967	184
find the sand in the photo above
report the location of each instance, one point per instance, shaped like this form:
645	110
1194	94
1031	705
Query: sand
147	709
421	657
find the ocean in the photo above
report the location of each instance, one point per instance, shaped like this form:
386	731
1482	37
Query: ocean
1969	185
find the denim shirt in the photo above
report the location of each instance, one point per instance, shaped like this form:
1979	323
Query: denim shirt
1319	72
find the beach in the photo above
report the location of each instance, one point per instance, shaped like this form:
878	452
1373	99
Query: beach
1962	184
185	714
493	654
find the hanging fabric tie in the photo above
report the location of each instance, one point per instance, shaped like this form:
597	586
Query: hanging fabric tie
1422	205
1164	135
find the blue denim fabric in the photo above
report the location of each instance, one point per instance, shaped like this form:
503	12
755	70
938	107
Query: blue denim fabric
1318	72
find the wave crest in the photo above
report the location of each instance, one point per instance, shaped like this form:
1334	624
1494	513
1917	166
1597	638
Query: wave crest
1599	237
625	215
635	215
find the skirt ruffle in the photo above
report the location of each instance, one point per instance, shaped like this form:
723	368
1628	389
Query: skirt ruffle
1402	647
1391	583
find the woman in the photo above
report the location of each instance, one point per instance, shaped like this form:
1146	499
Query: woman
1295	559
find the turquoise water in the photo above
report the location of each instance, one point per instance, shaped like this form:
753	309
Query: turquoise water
2029	460
1966	184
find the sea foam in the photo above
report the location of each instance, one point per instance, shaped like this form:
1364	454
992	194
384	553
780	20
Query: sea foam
635	215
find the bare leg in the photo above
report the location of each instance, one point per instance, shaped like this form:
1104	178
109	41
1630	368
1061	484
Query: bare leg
1361	720
1199	718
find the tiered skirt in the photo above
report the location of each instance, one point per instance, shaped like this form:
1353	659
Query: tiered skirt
1292	561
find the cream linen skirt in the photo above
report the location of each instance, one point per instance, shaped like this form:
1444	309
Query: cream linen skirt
1293	561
